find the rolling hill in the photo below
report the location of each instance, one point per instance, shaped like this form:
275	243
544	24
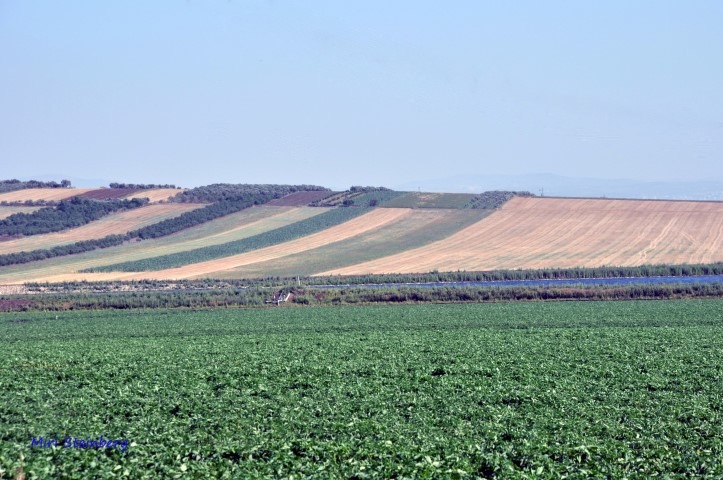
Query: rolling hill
274	232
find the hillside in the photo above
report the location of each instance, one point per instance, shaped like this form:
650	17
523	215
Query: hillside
250	231
557	232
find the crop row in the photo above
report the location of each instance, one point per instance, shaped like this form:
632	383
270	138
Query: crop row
579	390
286	233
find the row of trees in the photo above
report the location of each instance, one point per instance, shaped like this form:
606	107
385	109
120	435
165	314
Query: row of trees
62	250
67	214
258	296
31	203
165	227
15	184
495	199
308	282
255	195
358	188
196	217
506	294
539	274
220	192
140	186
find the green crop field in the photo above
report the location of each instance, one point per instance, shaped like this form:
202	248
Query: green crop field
431	200
378	197
508	390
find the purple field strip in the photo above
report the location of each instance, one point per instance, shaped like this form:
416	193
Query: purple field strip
105	193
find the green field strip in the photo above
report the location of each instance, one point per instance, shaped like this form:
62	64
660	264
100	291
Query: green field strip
7	210
236	226
430	200
420	228
532	390
379	197
283	234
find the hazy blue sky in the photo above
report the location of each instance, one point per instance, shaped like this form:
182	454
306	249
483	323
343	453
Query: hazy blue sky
341	93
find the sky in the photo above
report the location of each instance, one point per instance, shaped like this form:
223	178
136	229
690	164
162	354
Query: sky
341	93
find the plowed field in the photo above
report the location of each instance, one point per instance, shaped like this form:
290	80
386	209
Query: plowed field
548	233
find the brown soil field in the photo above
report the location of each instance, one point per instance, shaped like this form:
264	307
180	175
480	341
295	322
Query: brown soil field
42	194
565	233
114	224
105	193
357	226
299	199
156	195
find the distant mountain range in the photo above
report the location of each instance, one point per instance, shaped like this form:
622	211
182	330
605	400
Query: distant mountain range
558	185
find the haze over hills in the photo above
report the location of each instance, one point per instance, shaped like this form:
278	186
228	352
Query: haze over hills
559	185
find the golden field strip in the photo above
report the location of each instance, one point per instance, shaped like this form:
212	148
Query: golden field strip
114	224
46	194
7	210
236	226
557	232
156	195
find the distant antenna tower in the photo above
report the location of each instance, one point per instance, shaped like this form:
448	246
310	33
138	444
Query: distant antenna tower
542	191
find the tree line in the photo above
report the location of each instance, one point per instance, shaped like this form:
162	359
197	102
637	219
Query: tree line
15	184
431	277
220	192
71	213
352	296
255	195
256	297
533	274
494	199
140	186
165	227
